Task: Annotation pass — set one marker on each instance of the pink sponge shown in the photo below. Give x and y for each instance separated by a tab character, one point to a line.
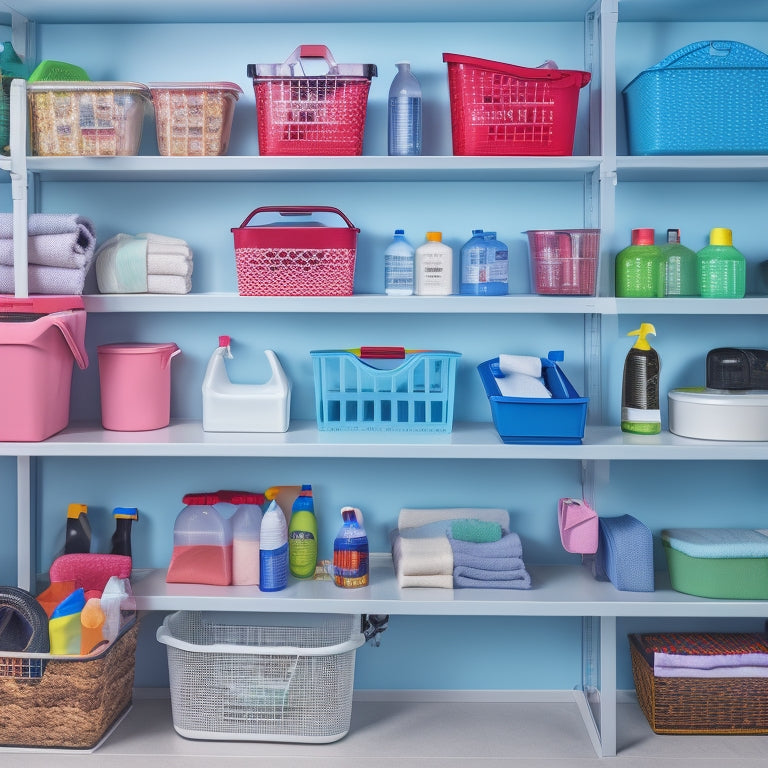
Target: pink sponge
90	571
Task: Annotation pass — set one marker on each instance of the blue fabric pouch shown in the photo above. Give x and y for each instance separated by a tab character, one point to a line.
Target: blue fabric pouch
625	554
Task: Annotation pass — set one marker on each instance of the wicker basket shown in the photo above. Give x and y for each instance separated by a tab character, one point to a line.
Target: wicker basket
694	705
74	703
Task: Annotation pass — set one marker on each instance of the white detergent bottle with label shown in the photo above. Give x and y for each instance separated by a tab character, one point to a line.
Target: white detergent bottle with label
273	550
434	267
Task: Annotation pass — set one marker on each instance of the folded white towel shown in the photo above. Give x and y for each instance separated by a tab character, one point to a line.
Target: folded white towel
422	557
409	518
520	385
164	264
168	284
527	364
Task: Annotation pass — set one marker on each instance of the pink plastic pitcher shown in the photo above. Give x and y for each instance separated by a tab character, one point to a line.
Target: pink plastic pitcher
136	385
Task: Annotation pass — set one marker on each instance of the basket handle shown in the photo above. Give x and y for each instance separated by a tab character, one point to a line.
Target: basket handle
296	210
312	52
716	54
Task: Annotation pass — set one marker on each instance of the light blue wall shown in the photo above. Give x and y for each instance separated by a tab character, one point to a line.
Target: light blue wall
416	652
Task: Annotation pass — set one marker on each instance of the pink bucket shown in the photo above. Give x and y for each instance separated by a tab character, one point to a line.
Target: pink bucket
135	385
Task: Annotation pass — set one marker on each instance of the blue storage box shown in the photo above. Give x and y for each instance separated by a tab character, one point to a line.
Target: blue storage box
625	554
557	420
384	389
704	99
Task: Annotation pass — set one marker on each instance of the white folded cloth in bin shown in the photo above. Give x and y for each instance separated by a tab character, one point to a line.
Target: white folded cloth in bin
522	377
525	364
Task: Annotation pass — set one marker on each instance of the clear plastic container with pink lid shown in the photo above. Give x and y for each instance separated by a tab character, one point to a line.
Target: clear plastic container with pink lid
194	119
202	543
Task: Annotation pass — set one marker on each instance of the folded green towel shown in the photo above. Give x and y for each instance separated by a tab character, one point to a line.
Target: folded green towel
480	531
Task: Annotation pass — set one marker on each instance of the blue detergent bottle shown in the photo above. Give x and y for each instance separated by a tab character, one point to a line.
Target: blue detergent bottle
350	551
484	265
273	550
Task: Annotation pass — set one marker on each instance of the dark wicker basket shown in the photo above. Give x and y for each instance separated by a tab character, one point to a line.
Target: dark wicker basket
693	705
74	703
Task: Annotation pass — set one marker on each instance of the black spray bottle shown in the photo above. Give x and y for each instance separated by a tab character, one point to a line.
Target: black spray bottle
121	538
78	537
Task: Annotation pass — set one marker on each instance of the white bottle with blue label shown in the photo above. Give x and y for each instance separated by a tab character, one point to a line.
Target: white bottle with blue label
273	550
398	266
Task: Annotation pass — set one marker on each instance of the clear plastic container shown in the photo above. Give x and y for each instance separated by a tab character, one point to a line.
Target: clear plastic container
202	544
564	261
194	119
641	267
681	272
399	261
86	118
405	132
722	269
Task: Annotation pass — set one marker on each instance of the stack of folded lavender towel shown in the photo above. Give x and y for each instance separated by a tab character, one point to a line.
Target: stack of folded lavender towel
60	251
458	547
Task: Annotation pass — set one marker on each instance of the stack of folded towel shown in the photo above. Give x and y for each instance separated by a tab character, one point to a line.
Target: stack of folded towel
522	377
458	547
60	251
144	263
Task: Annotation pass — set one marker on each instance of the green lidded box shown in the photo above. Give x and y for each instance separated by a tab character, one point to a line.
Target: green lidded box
726	563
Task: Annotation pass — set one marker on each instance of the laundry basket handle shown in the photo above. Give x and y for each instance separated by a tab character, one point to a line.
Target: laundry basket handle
312	52
296	210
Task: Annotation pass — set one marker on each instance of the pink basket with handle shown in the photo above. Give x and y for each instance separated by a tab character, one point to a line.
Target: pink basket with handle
300	258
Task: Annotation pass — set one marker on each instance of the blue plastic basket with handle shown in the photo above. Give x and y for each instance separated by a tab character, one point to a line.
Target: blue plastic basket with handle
384	389
706	98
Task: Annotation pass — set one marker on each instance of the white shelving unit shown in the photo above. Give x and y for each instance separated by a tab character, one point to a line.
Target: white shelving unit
560	591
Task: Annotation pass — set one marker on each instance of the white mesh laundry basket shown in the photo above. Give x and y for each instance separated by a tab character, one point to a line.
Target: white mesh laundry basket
261	676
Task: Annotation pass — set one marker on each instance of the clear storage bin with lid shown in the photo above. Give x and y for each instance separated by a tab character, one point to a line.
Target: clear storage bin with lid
202	544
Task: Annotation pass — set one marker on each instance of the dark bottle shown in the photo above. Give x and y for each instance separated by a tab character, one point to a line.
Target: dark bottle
121	538
78	537
640	412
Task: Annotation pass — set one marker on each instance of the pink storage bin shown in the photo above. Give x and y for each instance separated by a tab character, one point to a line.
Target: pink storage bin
135	383
39	339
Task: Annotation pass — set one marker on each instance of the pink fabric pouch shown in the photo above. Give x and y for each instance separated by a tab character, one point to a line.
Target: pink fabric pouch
578	525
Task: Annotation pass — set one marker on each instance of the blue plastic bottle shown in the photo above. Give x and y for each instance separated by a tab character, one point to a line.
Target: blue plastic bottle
484	265
399	262
273	550
350	551
404	112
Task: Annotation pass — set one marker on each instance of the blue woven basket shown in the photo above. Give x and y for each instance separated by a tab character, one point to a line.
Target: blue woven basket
707	98
411	393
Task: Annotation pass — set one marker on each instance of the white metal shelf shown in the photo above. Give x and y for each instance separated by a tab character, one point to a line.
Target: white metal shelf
468	440
562	590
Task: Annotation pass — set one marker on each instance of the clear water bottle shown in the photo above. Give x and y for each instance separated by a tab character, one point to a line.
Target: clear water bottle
398	266
404	112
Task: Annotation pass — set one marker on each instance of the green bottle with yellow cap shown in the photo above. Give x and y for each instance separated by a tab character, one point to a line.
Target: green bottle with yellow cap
721	268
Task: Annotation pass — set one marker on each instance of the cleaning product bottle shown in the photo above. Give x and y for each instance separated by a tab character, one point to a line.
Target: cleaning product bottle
398	266
640	386
484	265
78	536
722	269
640	267
64	625
121	538
118	604
273	550
92	620
404	112
681	275
350	551
246	538
434	267
472	258
302	535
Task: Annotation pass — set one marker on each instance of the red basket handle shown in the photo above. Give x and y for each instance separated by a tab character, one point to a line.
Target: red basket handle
296	210
312	52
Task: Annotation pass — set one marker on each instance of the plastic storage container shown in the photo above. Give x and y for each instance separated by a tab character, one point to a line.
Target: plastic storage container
404	130
303	258
710	414
86	118
40	338
564	261
303	114
557	420
640	268
503	109
705	98
135	383
194	118
246	535
384	389
261	676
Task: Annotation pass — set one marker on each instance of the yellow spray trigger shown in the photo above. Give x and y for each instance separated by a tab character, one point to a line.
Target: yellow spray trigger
641	333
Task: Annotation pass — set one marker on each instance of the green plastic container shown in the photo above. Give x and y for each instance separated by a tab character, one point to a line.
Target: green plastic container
641	267
740	573
722	269
682	275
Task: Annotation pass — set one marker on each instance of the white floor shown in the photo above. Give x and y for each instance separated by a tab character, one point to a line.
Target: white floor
423	735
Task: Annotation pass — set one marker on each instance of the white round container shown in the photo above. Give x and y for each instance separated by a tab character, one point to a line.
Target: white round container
716	414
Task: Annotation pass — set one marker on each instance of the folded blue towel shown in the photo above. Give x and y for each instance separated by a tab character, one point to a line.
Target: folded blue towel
479	578
625	554
717	542
508	545
490	564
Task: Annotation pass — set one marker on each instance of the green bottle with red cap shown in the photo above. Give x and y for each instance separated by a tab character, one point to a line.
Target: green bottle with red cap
641	267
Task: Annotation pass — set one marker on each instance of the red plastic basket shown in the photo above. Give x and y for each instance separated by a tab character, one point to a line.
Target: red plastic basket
502	109
311	115
302	259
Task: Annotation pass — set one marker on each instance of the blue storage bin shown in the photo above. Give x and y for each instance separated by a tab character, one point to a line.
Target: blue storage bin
401	391
706	98
557	420
625	554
